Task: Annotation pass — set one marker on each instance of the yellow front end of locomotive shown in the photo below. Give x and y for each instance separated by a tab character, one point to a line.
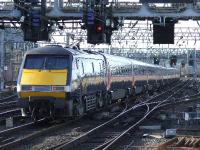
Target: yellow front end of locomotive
43	83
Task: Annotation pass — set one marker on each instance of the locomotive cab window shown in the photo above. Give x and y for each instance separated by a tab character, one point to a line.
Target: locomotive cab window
34	62
56	62
46	62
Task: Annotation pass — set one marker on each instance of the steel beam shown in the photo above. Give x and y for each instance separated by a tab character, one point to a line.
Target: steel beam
10	14
146	13
126	10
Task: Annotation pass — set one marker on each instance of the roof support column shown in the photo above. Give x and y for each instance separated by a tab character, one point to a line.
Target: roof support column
2	57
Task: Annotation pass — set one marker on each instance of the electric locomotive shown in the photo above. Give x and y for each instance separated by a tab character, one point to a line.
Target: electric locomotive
57	82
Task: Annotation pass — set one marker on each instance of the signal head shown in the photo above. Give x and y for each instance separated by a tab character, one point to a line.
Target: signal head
99	28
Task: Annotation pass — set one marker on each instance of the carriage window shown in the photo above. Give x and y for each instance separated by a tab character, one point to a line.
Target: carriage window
92	67
100	66
96	66
88	70
83	68
77	63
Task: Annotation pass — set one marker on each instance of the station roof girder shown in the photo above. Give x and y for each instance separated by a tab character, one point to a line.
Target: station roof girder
127	10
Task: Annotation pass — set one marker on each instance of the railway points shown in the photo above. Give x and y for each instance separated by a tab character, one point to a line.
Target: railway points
69	135
111	135
187	86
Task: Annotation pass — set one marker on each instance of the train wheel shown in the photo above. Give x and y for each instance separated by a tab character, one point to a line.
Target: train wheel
104	98
133	91
78	108
99	100
109	99
34	114
52	112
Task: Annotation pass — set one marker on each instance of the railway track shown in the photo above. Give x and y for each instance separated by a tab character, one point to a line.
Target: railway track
130	141
31	133
117	141
24	133
17	135
8	98
8	107
17	141
110	133
8	102
10	113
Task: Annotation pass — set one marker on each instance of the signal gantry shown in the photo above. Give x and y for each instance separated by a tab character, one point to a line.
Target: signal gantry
99	17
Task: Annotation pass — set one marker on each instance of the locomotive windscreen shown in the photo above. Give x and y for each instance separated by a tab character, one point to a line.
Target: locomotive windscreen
46	62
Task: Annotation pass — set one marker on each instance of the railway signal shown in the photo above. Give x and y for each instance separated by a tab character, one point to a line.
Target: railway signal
35	24
99	28
173	61
97	22
90	17
96	32
34	27
163	30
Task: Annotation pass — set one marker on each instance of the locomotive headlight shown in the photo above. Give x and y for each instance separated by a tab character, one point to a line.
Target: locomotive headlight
18	88
58	88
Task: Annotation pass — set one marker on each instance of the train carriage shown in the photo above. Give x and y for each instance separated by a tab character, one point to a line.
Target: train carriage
58	82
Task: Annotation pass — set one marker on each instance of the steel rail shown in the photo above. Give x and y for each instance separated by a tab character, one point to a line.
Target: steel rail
5	105
10	113
33	135
9	97
109	144
82	138
38	133
15	129
189	99
115	141
165	92
30	136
